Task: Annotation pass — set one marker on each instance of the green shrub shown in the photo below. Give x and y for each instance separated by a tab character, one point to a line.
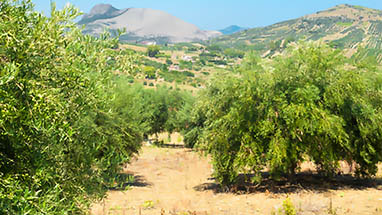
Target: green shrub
234	53
149	72
189	74
168	62
153	51
288	207
185	65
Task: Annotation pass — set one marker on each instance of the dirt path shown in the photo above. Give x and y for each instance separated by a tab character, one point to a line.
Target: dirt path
168	180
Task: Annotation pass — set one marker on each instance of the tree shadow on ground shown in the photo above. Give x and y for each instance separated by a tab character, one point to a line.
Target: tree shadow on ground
125	180
161	144
304	181
170	146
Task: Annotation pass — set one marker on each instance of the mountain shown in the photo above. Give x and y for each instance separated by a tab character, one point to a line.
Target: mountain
344	26
231	29
143	25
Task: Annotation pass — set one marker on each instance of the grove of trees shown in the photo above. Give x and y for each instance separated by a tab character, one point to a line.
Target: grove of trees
61	138
310	104
68	122
70	117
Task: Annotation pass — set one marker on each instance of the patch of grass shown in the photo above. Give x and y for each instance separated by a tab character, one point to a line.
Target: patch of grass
116	208
287	208
344	24
179	139
147	205
358	7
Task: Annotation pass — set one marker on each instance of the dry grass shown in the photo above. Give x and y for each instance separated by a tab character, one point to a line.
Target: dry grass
135	48
171	181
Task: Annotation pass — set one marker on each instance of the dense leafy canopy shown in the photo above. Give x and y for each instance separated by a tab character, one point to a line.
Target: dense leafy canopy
153	50
309	104
62	140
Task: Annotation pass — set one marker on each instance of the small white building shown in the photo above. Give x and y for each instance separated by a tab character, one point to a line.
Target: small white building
149	43
187	58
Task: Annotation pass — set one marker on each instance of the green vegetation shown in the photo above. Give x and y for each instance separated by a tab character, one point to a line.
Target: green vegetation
185	65
149	72
287	208
177	76
344	24
234	53
311	100
345	31
359	7
74	109
352	38
155	109
63	140
68	123
153	51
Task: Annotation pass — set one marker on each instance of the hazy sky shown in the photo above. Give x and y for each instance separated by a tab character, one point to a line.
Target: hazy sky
218	14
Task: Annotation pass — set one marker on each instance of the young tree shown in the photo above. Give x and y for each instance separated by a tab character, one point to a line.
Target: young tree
153	50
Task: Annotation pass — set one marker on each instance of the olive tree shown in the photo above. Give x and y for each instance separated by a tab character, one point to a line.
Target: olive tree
309	104
62	141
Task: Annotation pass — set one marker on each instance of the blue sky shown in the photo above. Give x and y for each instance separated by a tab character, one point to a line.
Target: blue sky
218	14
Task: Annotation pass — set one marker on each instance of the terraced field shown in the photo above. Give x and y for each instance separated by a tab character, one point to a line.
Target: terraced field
344	26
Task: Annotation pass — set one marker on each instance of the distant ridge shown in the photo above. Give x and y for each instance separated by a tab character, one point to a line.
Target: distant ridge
232	29
143	24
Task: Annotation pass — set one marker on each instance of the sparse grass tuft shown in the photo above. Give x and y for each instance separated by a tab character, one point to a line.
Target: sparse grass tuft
147	205
331	210
288	207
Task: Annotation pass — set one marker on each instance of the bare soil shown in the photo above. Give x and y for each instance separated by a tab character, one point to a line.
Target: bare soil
175	180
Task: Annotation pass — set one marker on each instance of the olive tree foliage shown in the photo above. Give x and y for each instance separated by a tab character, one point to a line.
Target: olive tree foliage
62	141
190	120
161	107
309	104
153	50
155	110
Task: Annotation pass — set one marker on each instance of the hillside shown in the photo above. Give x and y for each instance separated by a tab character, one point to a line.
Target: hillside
344	26
143	25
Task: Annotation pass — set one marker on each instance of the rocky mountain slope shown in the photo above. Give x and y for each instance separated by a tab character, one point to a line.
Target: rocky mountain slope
143	25
344	26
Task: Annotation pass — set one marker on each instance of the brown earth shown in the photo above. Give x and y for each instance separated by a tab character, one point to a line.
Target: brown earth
175	180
